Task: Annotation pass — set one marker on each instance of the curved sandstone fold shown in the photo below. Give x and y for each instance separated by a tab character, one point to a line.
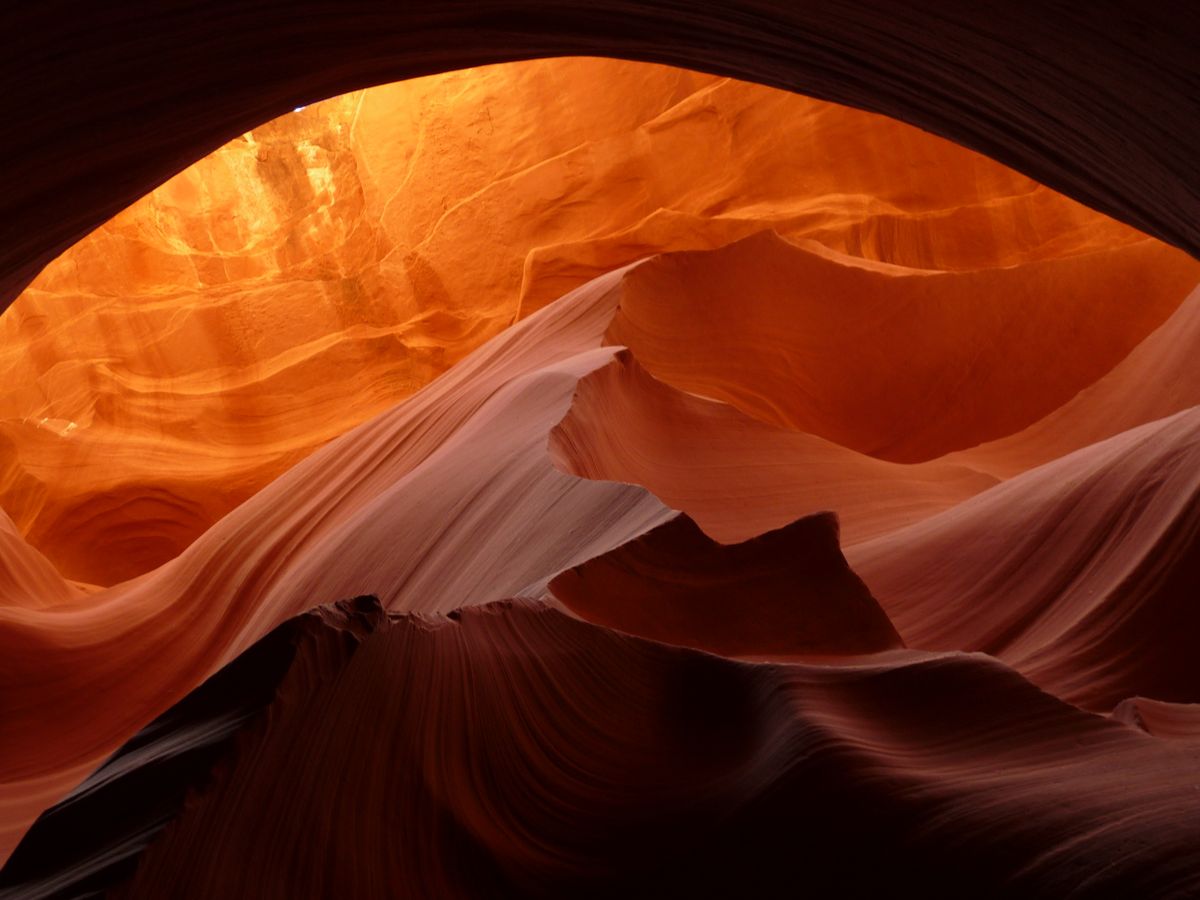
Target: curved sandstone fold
1159	378
157	773
785	593
1082	573
898	363
579	374
1176	721
510	750
203	341
27	579
735	476
1097	100
450	498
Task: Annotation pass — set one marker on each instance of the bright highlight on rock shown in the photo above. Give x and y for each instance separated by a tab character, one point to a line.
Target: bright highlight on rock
579	477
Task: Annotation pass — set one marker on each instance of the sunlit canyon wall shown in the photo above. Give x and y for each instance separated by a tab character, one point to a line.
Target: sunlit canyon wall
724	463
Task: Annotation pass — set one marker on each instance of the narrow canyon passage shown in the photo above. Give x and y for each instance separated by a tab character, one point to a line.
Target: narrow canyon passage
735	487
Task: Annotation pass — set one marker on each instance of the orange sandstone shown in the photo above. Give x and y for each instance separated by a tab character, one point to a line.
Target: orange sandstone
325	265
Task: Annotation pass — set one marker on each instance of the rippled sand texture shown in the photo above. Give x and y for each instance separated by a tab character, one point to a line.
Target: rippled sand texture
734	488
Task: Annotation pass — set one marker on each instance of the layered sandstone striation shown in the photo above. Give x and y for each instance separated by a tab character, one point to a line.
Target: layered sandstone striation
710	464
206	339
509	750
1095	100
784	593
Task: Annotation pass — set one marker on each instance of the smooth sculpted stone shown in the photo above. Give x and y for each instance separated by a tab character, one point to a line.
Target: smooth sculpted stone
510	750
202	342
788	592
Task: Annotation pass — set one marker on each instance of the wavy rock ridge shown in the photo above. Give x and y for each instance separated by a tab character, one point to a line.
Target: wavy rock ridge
525	720
203	342
698	513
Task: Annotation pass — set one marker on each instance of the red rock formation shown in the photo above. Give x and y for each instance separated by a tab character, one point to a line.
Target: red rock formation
1097	101
452	497
785	593
1175	721
1156	380
449	498
899	363
203	341
512	751
27	579
289	377
736	476
1081	573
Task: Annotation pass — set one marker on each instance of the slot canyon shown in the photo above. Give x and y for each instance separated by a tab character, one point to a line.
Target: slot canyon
608	450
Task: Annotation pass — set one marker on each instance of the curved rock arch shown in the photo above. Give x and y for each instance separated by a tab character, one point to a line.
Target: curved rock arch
1099	101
